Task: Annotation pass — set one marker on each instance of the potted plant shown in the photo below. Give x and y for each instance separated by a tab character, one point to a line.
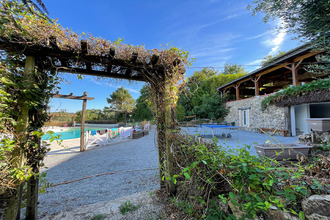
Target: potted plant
283	151
138	134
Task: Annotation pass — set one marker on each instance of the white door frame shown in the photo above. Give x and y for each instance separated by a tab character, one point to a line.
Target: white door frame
293	120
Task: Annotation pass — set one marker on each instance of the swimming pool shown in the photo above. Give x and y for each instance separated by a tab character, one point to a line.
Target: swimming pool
72	133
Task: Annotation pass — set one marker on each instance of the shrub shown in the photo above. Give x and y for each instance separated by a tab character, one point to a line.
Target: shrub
206	172
128	207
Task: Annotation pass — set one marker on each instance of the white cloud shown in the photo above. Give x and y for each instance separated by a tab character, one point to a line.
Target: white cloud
276	39
255	62
257	36
133	90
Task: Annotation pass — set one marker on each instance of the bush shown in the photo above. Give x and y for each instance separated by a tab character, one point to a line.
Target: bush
205	172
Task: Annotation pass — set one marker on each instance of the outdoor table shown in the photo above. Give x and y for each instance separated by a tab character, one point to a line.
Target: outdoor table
213	127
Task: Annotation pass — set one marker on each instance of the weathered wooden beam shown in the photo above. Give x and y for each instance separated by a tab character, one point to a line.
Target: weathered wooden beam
128	72
84	47
306	56
237	91
133	61
112	52
64	63
256	88
100	73
294	75
52	43
82	128
134	57
154	60
18	155
176	62
167	111
70	96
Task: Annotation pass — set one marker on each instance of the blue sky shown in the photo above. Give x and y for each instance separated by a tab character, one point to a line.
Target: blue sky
215	32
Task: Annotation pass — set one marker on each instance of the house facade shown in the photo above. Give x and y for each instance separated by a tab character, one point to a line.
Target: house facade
246	94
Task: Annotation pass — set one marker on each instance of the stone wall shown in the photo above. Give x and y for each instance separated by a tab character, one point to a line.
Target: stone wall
273	117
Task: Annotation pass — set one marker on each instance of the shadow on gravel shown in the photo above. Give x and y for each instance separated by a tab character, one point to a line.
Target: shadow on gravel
101	174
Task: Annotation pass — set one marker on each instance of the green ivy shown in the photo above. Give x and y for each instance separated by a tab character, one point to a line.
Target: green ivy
299	90
207	171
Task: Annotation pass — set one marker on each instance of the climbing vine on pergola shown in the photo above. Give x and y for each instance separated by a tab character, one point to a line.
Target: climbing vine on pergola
48	47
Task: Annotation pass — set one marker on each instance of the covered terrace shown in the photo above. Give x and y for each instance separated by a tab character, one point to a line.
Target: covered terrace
286	70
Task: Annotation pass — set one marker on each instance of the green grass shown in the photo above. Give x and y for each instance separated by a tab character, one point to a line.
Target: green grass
99	217
128	207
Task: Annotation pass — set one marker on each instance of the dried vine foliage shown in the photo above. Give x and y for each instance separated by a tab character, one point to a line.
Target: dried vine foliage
19	25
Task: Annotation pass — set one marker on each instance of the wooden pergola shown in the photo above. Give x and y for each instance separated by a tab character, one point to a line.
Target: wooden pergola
49	57
286	70
84	98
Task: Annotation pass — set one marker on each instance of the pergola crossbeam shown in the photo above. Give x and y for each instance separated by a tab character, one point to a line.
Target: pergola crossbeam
82	62
84	98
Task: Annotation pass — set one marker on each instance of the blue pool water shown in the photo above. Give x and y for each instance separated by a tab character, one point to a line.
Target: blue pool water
72	133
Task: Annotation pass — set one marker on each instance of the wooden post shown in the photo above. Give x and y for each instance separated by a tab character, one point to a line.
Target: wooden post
168	134
13	210
256	85
32	193
237	91
82	128
294	74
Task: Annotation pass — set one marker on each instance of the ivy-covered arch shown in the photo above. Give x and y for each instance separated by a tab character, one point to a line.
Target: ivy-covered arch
40	48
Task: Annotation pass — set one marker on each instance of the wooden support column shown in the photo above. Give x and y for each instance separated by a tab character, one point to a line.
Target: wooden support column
256	85
168	133
294	71
82	128
237	91
13	210
294	74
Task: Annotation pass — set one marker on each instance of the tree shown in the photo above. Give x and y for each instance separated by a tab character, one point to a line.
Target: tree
309	19
180	112
121	101
200	96
91	115
269	58
233	69
143	111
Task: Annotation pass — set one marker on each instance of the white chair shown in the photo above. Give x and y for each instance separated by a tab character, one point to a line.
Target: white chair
100	138
126	132
147	126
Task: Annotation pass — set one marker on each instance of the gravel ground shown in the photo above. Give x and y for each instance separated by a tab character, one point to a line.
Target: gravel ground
139	154
123	159
240	138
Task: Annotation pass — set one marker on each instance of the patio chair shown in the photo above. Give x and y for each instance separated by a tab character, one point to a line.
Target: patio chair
125	132
147	127
99	138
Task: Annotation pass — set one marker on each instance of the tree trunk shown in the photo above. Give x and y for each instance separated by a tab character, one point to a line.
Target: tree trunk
125	118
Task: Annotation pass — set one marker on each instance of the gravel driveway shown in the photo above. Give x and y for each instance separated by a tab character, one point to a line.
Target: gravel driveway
128	167
138	154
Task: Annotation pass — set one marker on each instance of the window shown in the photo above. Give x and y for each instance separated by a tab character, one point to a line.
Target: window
245	118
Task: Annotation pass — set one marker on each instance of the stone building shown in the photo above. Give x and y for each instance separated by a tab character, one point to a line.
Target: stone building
247	92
